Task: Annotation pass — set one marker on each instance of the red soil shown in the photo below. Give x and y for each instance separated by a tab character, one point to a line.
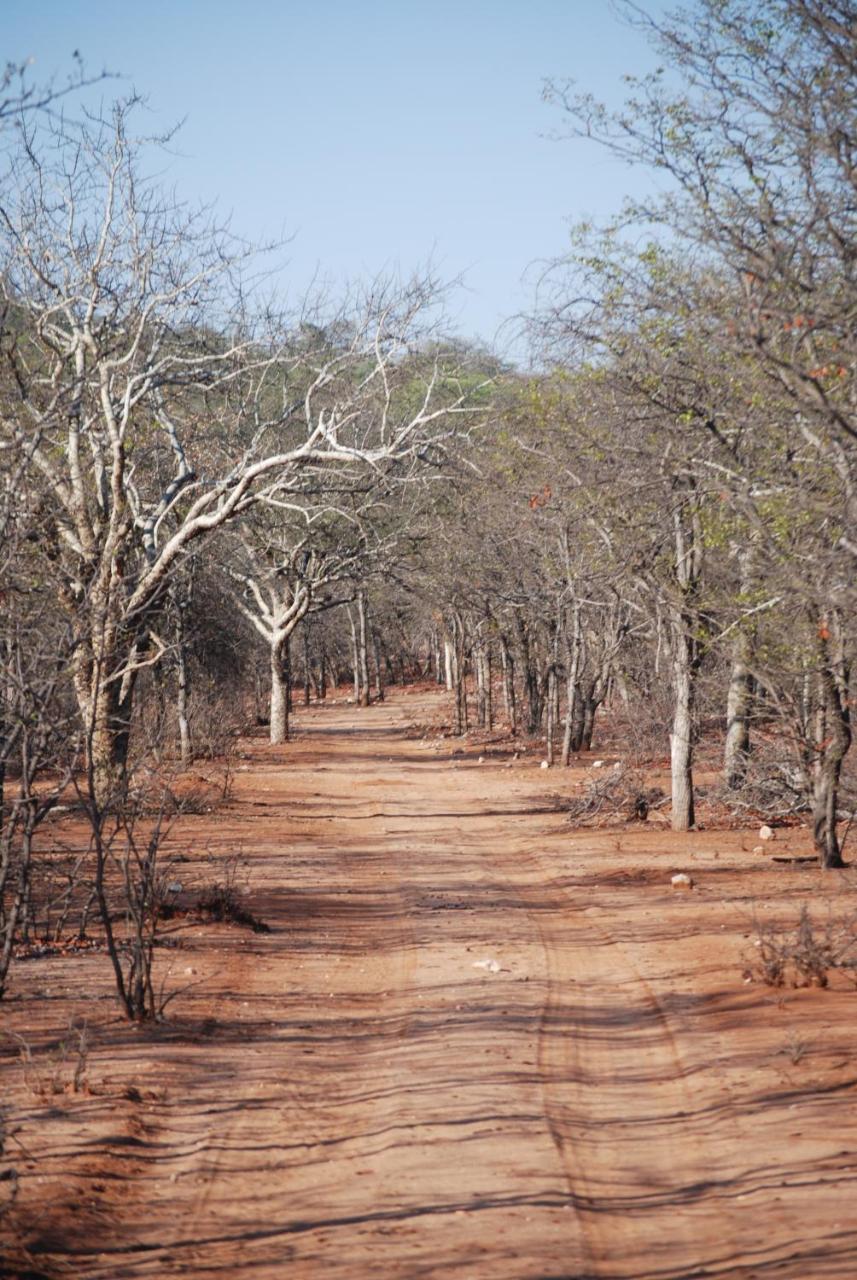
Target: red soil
356	1094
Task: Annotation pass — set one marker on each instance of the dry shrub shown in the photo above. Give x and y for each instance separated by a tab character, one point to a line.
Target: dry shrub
62	1070
220	902
217	901
804	954
617	794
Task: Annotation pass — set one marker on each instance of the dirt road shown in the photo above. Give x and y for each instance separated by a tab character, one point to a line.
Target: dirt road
475	1043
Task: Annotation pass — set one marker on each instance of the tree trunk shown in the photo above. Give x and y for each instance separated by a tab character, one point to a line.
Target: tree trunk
279	690
833	747
551	704
307	666
183	689
362	649
355	657
571	682
508	664
489	697
590	706
108	740
448	659
379	671
481	696
739	700
681	737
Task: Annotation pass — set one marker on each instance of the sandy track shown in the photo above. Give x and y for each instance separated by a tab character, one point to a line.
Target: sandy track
352	1096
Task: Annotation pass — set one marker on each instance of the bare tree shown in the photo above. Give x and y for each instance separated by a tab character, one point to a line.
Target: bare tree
156	402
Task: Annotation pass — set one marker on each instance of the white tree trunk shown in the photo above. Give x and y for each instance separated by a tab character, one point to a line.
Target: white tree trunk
681	738
279	694
448	657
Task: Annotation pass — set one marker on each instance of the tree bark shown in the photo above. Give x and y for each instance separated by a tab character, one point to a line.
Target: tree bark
279	690
183	688
379	672
739	700
681	737
551	705
448	657
362	649
508	665
355	657
307	666
571	682
833	747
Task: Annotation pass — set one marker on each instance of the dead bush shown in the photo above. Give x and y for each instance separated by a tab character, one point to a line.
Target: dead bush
804	954
62	1069
617	794
220	902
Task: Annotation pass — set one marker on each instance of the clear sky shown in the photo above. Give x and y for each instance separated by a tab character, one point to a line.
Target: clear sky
376	134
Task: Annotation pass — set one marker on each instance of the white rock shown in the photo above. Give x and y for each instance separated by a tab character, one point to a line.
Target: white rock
544	765
481	760
759	848
681	881
597	764
766	833
490	966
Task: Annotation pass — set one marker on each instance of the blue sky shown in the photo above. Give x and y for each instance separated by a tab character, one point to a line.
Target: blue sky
374	134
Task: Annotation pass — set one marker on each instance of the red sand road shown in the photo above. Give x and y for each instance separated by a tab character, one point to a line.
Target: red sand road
476	1043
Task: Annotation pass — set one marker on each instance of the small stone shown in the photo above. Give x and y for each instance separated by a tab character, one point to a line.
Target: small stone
681	881
759	848
544	765
490	966
481	760
174	886
767	833
597	764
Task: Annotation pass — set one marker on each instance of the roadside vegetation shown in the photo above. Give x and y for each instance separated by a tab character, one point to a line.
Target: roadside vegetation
211	507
